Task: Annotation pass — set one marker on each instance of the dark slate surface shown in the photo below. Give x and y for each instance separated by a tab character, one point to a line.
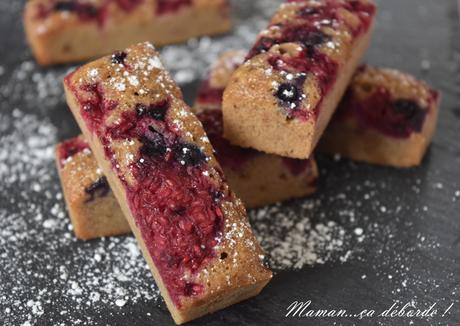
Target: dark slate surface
425	236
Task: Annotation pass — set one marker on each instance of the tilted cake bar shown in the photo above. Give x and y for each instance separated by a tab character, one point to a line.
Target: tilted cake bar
192	229
281	99
386	117
61	31
93	208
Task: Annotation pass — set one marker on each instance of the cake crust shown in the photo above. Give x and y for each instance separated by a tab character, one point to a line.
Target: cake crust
233	270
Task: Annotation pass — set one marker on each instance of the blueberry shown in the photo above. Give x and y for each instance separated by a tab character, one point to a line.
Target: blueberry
153	143
288	94
312	39
100	188
65	6
412	113
315	38
180	211
189	155
87	11
407	108
157	111
217	195
119	57
82	9
263	45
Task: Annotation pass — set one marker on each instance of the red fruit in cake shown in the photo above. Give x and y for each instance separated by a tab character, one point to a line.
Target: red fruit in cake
166	180
71	147
85	11
168	6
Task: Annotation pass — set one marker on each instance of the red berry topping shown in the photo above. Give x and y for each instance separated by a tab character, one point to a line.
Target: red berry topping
170	6
397	118
209	95
70	148
227	154
308	29
86	11
172	197
295	166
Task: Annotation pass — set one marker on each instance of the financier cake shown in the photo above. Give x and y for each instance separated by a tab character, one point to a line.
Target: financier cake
192	229
386	117
282	98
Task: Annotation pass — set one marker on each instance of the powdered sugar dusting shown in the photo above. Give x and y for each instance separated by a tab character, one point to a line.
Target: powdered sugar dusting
292	240
90	276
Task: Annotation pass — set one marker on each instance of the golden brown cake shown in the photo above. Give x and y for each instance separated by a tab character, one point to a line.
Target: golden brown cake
193	231
281	99
386	117
92	207
61	31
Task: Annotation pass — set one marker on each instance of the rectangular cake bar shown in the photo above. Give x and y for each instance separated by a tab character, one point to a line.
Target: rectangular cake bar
386	117
281	99
193	231
93	209
61	31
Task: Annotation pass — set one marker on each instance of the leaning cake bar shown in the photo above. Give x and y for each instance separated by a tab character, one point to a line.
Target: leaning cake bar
92	207
61	31
386	117
257	178
281	99
193	231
